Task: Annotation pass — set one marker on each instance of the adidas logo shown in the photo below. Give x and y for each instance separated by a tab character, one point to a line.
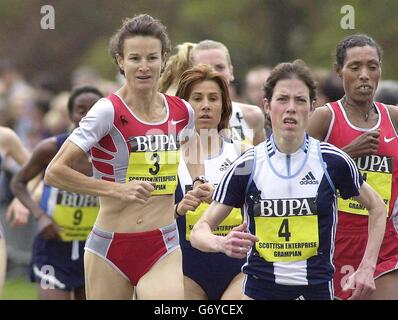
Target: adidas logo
309	179
224	166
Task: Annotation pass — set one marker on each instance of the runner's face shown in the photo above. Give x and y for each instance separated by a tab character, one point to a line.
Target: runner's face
206	100
82	105
360	73
289	108
217	59
142	62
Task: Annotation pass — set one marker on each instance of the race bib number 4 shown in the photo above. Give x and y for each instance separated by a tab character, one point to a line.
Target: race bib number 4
287	239
233	220
287	229
159	167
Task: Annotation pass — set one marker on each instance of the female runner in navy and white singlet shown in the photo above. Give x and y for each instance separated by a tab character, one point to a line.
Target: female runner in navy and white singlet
287	188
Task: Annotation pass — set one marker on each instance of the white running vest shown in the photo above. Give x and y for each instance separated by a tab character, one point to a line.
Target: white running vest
285	216
214	170
239	127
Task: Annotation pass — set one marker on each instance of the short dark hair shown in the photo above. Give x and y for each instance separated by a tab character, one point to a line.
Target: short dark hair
288	70
356	40
139	25
204	72
81	90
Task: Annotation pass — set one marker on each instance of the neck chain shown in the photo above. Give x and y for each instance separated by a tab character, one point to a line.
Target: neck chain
365	114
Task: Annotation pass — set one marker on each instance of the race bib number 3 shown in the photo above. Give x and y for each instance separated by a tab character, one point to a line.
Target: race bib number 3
158	167
75	223
233	220
286	239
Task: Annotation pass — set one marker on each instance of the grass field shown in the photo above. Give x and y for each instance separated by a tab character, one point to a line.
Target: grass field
19	289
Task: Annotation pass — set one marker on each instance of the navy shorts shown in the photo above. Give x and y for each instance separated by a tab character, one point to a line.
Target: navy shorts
54	265
213	272
259	289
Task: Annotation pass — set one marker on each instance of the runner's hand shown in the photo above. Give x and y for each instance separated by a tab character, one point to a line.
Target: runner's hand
17	214
204	192
238	242
137	191
189	203
363	145
362	284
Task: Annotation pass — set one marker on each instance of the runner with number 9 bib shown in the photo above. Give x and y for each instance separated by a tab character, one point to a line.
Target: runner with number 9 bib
64	219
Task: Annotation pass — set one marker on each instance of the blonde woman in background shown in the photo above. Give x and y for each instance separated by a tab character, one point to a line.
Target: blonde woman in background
247	121
175	67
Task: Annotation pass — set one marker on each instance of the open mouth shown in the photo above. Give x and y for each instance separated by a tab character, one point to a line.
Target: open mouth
204	116
364	87
290	121
143	77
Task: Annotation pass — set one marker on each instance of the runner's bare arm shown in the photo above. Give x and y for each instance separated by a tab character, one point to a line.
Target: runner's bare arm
232	244
362	280
319	123
11	145
60	174
41	156
256	120
393	111
364	144
202	237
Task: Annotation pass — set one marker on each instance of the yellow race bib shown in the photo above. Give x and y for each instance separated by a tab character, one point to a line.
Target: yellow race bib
287	239
377	171
233	220
287	229
160	167
75	223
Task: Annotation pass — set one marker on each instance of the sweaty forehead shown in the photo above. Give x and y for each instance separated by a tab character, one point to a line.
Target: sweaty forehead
142	44
293	86
365	53
207	86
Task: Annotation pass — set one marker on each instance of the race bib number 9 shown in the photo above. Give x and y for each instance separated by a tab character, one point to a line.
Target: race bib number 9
75	223
233	220
159	167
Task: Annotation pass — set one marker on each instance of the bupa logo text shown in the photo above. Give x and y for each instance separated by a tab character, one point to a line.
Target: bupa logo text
285	207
